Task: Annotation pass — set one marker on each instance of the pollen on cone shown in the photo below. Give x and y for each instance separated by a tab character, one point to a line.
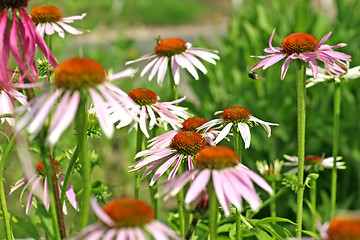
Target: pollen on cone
188	142
79	73
128	212
218	157
45	13
236	114
143	96
170	46
191	124
299	43
39	167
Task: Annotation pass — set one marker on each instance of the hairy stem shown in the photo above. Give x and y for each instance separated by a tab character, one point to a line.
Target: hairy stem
301	116
213	205
81	130
4	209
336	124
139	148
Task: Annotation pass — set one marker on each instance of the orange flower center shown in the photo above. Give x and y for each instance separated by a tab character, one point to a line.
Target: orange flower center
216	158
39	167
79	73
45	13
346	227
129	212
236	114
311	159
13	4
299	43
191	124
170	46
143	96
188	142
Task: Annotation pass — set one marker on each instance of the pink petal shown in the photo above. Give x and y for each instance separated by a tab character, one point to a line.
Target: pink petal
285	67
102	113
70	29
223	133
185	63
198	185
216	180
175	70
245	134
100	213
323	40
162	71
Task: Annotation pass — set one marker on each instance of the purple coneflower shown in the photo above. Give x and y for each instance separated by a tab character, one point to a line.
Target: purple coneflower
345	226
40	178
313	161
306	47
126	218
325	75
176	53
75	78
20	39
190	124
220	167
160	113
184	146
237	117
49	19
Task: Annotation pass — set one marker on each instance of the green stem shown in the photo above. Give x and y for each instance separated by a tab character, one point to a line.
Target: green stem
313	204
53	212
180	198
81	131
153	189
173	86
238	148
6	214
336	124
273	203
301	115
68	175
213	205
139	148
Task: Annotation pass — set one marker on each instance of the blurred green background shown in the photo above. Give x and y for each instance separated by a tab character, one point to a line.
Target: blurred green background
119	31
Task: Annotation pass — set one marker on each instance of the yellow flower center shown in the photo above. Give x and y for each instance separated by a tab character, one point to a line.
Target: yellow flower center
345	227
39	167
13	4
129	212
191	124
311	159
216	158
45	13
188	142
170	46
299	43
143	96
79	73
236	114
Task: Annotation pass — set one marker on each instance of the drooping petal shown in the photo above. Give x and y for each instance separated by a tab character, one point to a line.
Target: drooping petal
100	213
245	133
198	185
216	180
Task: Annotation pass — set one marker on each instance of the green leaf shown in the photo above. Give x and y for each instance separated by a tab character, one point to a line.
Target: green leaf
311	234
262	235
272	220
224	228
28	227
277	231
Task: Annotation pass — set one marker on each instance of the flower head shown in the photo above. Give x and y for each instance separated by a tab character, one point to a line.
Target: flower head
344	227
190	124
20	39
240	118
325	75
231	180
160	113
306	47
270	171
49	19
313	162
40	179
184	145
73	78
126	218
176	53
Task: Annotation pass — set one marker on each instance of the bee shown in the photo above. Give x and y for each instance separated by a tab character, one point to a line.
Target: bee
158	40
255	76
